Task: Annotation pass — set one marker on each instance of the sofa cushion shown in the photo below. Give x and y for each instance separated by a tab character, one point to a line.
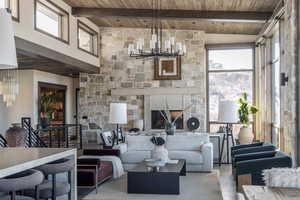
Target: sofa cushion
135	156
191	157
186	143
139	143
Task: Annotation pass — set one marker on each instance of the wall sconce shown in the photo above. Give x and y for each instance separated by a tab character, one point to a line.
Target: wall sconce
283	79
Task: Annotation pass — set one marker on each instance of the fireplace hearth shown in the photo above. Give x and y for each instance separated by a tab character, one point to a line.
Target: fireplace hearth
158	121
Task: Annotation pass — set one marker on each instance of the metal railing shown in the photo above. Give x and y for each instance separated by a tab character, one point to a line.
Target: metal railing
59	136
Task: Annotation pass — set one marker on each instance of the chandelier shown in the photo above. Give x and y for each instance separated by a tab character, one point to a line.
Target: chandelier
158	48
9	76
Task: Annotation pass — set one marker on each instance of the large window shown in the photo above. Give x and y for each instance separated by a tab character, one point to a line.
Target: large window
230	73
51	20
13	5
87	39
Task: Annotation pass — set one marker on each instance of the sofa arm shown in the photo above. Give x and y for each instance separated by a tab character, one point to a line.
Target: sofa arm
101	152
88	161
121	147
254	156
253	150
207	153
258	165
241	146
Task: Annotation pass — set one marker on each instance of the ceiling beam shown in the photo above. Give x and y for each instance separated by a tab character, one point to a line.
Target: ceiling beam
173	14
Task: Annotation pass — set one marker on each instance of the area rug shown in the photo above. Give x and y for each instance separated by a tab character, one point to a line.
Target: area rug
193	186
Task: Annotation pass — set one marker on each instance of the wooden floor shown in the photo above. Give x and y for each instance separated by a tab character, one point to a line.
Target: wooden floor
227	183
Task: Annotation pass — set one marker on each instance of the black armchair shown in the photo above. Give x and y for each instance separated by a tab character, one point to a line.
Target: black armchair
251	148
249	167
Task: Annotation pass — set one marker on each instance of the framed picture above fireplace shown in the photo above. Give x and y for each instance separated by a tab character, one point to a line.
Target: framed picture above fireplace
167	68
158	121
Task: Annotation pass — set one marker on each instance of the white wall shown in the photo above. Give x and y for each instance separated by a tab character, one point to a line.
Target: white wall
25	30
27	101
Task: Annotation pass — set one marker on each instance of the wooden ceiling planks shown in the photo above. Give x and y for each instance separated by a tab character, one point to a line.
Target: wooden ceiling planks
225	27
224	5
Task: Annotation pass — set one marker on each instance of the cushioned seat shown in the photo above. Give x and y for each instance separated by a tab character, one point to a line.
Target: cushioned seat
45	189
135	156
192	157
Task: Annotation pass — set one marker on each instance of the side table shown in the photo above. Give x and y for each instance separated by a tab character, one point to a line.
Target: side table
218	137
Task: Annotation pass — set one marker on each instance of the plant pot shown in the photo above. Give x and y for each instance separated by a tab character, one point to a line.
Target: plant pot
245	135
160	153
16	136
170	128
45	122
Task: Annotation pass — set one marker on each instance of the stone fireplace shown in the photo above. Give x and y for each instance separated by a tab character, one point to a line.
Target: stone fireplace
158	121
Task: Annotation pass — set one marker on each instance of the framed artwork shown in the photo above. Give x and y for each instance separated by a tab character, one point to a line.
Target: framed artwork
167	68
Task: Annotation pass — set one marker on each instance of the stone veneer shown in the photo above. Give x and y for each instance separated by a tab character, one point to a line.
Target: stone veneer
118	70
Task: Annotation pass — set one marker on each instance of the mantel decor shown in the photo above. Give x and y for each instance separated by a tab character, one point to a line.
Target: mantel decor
156	49
167	68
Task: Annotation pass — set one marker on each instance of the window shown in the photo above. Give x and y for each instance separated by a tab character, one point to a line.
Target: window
13	5
230	73
275	61
87	39
51	20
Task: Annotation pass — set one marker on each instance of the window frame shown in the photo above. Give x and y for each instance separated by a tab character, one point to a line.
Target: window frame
8	5
208	71
61	24
89	30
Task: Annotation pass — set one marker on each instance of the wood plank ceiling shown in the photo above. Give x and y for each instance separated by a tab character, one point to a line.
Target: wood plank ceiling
210	26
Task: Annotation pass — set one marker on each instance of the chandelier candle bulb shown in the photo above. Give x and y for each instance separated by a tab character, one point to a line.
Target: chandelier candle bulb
184	49
154	38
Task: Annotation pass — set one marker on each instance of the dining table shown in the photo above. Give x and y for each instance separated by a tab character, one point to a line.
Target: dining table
16	160
254	192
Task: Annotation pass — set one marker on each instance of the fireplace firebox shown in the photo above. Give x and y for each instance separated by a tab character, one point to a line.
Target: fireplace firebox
158	121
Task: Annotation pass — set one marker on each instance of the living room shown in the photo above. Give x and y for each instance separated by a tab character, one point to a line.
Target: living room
153	99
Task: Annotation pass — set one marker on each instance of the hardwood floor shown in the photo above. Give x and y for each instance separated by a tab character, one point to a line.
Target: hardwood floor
227	183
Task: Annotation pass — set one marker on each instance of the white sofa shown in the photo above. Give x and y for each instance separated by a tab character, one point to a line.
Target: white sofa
195	149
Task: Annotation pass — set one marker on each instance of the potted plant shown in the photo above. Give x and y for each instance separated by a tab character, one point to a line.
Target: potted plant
245	110
46	100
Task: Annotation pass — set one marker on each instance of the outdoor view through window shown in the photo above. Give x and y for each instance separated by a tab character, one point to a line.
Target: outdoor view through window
230	73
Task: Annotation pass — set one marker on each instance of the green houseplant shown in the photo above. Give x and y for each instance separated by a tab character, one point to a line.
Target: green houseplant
244	111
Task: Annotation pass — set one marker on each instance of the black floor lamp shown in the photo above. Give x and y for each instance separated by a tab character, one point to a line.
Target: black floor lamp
227	115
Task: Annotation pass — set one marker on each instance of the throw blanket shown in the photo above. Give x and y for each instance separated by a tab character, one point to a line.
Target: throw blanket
118	170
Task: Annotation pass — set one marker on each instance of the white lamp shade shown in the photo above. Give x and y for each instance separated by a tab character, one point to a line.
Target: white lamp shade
8	56
118	113
228	112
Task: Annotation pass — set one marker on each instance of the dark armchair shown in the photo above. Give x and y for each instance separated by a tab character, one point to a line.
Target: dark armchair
251	148
249	167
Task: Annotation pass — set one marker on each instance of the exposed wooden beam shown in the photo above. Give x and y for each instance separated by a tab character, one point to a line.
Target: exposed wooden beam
172	14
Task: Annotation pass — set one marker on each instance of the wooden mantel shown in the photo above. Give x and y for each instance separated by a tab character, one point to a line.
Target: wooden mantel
156	91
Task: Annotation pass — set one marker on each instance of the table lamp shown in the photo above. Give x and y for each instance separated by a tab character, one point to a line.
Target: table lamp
118	116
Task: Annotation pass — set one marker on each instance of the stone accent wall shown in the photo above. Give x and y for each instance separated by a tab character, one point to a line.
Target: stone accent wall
118	70
289	93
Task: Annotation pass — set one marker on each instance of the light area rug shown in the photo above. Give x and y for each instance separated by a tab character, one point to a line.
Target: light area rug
193	186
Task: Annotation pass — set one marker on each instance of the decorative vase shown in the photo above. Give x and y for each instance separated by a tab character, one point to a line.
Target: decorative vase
160	153
16	136
170	128
245	135
45	122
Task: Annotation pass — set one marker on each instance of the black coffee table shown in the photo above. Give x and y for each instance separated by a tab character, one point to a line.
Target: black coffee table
141	180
